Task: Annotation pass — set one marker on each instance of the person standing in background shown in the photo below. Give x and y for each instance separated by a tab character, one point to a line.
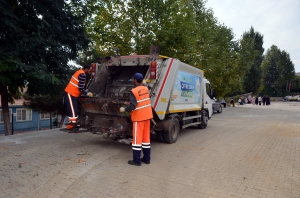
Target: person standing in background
264	100
268	100
223	102
250	99
232	102
253	100
259	100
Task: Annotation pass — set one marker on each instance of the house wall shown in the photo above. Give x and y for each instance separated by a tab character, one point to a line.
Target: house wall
35	124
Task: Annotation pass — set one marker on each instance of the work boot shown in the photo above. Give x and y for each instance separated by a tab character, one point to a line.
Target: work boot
71	124
136	158
146	162
69	127
131	162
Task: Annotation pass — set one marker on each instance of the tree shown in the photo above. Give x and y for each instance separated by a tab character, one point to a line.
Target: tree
216	51
278	71
294	86
286	71
271	79
37	39
184	29
110	28
251	58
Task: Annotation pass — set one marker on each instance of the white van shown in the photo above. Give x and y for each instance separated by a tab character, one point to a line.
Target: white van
294	98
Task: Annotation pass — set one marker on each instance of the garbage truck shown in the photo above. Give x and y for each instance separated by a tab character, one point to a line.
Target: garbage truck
180	96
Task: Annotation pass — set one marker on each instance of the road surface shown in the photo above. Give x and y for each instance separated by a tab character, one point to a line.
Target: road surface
246	151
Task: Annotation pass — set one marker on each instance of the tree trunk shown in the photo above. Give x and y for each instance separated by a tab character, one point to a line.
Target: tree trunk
5	109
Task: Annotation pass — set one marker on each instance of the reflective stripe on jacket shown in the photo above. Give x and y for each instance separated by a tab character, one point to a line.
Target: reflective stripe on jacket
143	110
73	86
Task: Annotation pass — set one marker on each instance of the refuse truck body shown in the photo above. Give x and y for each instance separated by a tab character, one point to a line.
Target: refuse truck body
180	95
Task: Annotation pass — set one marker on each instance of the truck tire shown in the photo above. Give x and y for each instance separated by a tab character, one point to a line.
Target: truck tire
204	120
159	136
220	110
171	134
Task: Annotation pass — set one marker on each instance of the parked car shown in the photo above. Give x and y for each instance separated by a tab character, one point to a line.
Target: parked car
287	98
293	98
217	106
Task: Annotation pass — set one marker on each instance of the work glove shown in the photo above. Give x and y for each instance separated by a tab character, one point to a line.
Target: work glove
89	94
122	109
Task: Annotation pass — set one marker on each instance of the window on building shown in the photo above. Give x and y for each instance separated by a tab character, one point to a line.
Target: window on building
24	114
1	116
46	115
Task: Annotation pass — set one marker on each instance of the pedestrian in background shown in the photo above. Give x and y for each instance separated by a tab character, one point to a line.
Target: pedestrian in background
259	100
264	100
223	102
240	101
74	89
250	99
141	114
253	100
268	100
232	102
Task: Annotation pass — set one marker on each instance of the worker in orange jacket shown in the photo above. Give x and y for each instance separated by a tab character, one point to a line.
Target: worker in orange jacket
141	114
74	89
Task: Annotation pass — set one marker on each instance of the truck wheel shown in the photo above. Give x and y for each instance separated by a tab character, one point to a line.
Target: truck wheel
159	136
220	110
170	136
204	120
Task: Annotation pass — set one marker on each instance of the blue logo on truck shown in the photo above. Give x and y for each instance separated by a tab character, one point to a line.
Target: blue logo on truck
187	89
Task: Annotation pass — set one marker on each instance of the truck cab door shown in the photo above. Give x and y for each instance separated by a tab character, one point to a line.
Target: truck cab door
207	98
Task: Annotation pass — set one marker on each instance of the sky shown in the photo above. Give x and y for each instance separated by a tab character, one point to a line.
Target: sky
277	20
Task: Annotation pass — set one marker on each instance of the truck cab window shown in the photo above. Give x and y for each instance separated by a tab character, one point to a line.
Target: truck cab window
208	90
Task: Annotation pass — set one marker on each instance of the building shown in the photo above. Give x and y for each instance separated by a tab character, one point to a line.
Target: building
23	119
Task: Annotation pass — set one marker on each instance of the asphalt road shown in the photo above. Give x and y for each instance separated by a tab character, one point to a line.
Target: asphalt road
246	151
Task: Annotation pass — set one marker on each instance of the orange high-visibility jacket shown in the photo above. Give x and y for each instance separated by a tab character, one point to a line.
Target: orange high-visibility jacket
143	110
73	86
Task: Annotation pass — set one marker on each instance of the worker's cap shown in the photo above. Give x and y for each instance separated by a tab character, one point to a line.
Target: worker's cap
138	76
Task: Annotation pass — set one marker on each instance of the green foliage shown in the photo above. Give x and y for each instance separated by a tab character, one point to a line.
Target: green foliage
38	38
184	29
278	71
251	58
294	85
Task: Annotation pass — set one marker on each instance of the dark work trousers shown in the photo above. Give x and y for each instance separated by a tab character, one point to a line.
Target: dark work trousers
71	105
